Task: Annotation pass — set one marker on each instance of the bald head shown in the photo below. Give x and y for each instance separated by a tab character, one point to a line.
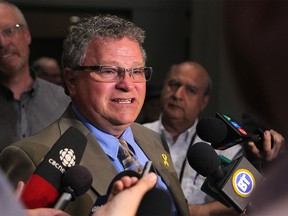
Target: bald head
184	96
193	68
48	69
18	12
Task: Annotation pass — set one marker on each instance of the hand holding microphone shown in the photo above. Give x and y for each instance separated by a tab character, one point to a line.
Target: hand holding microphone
126	191
75	181
154	201
224	132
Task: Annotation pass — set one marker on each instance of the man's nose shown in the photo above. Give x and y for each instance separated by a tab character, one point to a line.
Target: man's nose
179	92
3	41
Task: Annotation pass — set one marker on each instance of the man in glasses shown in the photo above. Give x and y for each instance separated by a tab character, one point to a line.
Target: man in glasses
28	104
185	94
105	75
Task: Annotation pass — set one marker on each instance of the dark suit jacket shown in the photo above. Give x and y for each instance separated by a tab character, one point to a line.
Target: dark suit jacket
20	160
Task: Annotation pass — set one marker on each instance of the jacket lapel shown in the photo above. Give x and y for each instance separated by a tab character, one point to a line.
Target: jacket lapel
94	158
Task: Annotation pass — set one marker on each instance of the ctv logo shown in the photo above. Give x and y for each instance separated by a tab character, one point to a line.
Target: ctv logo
243	182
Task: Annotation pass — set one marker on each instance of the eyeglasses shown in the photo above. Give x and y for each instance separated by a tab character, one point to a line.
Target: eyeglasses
112	73
11	30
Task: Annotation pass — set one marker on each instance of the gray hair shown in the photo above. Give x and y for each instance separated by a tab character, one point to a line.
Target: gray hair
102	27
17	10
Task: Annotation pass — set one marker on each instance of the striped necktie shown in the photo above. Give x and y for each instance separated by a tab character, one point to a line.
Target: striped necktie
127	157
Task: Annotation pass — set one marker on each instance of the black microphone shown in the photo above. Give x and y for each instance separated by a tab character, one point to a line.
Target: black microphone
155	202
42	188
212	130
75	181
232	184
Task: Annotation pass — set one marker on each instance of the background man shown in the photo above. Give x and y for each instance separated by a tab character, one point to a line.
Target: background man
48	69
28	104
184	96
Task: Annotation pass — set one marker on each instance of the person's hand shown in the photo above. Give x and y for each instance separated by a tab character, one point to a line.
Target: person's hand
20	188
268	153
126	195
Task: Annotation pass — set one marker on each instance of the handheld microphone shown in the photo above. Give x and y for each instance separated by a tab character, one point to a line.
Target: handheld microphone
42	188
155	202
212	130
232	184
75	181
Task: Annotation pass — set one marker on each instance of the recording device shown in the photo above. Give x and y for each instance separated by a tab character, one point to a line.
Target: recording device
42	188
232	184
155	202
224	132
148	168
75	181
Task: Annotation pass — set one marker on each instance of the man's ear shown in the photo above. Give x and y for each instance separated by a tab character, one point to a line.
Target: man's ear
205	102
69	79
27	35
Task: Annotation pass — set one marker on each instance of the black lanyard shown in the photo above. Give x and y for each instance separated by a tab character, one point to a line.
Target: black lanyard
185	160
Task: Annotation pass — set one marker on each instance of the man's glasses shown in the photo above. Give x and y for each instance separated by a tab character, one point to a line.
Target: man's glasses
11	30
113	73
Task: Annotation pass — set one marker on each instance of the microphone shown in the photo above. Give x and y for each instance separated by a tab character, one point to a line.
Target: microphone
224	132
75	181
232	184
212	130
155	202
42	188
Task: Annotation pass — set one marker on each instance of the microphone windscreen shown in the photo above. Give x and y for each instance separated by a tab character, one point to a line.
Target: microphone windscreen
212	130
129	173
203	159
78	178
155	202
42	194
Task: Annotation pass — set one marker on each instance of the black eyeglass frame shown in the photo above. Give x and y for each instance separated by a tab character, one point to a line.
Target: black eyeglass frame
120	71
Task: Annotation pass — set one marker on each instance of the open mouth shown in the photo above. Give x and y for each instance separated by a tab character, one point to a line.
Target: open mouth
123	101
5	56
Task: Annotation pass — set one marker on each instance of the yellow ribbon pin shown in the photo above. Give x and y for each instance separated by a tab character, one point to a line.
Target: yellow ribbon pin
165	158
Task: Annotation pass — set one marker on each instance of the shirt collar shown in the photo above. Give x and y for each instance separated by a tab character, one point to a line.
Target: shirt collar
108	142
189	133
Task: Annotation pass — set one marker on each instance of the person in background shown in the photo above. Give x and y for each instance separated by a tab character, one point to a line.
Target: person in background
105	75
48	69
28	103
184	96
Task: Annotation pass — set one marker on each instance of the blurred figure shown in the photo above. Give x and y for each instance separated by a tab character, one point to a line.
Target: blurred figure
256	34
28	103
48	69
9	204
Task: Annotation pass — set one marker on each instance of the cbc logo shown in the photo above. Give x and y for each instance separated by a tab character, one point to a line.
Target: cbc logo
67	157
243	182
